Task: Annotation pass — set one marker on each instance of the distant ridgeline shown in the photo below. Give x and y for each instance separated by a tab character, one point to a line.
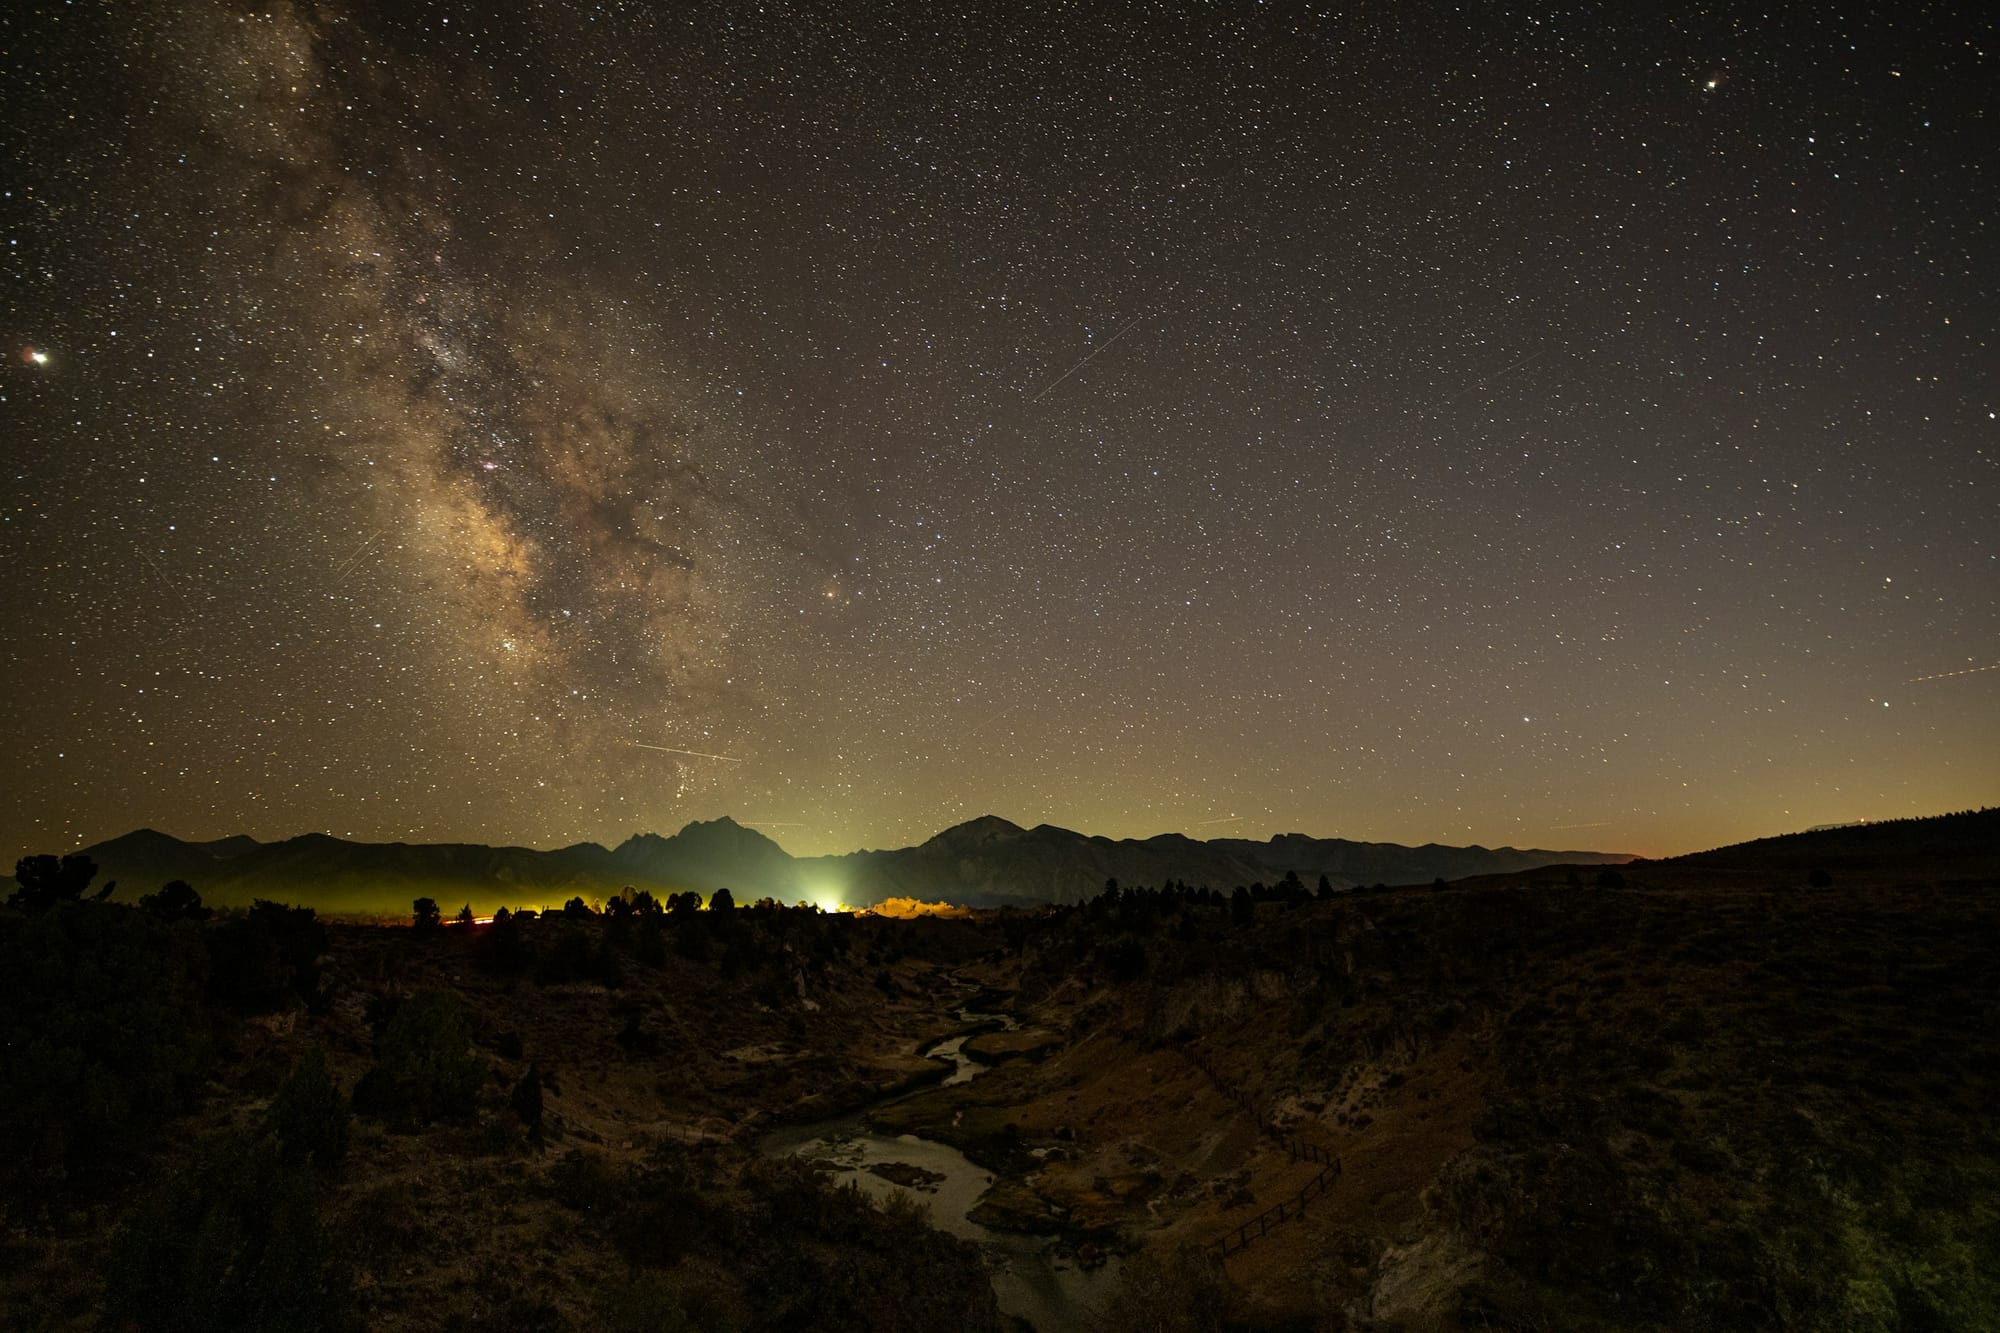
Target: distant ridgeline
987	862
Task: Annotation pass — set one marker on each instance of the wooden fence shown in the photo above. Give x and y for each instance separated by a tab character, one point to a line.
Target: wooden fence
1282	1211
1301	1151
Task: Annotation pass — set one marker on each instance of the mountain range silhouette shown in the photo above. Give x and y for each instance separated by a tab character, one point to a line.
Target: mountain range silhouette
985	862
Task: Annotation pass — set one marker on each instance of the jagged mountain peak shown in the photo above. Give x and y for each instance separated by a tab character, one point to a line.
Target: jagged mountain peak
986	828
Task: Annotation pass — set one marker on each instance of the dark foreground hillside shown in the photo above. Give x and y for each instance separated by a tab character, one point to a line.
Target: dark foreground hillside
1754	1089
551	1123
1738	1093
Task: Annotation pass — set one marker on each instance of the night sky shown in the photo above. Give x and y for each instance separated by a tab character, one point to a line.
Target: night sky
528	423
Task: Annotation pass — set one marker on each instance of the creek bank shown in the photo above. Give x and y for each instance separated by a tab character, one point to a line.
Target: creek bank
857	1092
979	1122
908	1176
992	1048
1047	1270
965	1031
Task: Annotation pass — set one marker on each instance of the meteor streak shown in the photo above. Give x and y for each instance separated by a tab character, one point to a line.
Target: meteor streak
172	587
1094	353
698	754
347	566
992	719
1969	671
1501	374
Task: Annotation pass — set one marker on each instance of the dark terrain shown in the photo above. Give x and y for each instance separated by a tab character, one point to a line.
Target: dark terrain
1751	1088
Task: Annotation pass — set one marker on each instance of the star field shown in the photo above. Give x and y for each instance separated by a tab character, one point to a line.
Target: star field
526	423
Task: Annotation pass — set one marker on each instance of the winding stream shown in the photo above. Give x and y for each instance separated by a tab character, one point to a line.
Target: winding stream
1029	1279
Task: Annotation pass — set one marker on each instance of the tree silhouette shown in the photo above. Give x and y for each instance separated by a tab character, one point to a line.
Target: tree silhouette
723	901
1242	907
500	947
617	920
45	881
649	948
176	901
424	915
267	958
465	915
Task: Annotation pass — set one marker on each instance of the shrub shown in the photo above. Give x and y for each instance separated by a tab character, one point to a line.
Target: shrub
1189	1295
526	1101
567	960
634	1037
661	1226
98	1038
309	1115
424	1069
653	1303
233	1242
832	1260
1126	960
588	1183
